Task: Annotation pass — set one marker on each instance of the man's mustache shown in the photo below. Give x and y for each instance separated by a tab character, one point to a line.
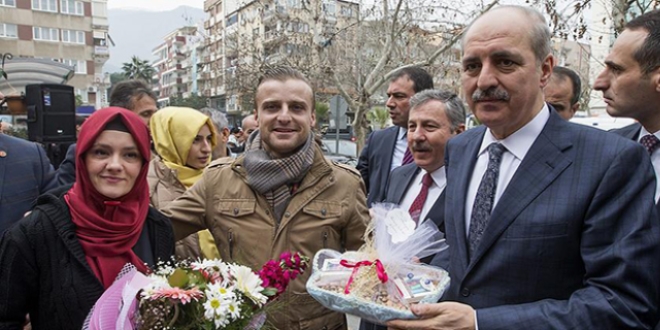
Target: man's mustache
491	94
421	147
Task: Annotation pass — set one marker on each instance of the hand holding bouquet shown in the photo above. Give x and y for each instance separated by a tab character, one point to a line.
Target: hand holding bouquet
208	294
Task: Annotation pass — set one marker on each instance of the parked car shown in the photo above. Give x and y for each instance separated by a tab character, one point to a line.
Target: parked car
329	146
604	122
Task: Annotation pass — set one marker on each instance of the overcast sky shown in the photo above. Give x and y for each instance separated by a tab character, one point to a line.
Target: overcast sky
155	5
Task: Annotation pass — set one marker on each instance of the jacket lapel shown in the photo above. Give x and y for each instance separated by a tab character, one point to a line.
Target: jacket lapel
389	144
437	212
540	167
461	173
632	131
400	187
4	149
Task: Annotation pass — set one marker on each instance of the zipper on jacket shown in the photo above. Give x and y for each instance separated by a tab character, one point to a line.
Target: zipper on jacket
325	239
231	245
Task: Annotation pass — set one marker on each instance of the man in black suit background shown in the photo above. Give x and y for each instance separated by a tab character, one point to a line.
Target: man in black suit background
630	84
385	149
435	117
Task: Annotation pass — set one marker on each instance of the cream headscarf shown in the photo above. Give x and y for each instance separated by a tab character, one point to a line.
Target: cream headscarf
173	130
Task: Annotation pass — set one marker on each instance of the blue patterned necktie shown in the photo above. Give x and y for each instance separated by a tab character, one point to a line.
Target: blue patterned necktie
483	203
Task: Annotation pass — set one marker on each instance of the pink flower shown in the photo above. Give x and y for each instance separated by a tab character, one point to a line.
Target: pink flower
184	296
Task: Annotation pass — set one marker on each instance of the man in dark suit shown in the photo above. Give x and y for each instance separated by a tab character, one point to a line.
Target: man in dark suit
385	149
631	86
550	225
636	93
25	173
133	95
435	117
563	91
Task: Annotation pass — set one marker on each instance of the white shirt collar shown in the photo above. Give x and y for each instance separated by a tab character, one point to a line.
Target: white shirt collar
643	132
402	133
521	140
439	176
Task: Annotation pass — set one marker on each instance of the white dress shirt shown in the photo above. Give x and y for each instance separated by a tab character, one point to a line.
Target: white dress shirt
517	145
399	148
435	190
655	160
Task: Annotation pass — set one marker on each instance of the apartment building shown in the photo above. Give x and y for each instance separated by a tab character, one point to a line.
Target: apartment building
176	65
73	32
253	33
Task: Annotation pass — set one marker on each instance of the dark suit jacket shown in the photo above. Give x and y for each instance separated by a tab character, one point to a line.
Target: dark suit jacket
66	173
375	161
25	173
571	244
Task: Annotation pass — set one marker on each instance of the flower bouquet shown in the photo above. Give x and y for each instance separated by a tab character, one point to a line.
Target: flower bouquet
208	294
382	279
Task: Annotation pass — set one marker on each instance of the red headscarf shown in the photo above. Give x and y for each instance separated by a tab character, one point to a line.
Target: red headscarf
109	228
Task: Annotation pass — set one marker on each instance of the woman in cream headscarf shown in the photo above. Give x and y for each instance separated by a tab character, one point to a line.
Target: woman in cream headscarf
183	139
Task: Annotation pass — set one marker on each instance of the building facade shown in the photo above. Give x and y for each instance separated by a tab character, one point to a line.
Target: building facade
73	32
175	65
251	34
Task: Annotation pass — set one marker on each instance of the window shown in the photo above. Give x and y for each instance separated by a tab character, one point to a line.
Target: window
231	20
74	37
48	34
8	3
329	9
294	3
8	30
83	95
45	5
80	66
346	11
72	7
99	9
298	27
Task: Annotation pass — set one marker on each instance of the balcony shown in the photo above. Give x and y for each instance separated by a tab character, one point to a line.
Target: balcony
179	56
179	41
278	11
273	36
101	54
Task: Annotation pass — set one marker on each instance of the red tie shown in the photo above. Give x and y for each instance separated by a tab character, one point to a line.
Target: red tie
417	205
407	157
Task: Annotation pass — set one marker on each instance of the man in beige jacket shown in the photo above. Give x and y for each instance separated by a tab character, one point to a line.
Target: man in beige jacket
280	195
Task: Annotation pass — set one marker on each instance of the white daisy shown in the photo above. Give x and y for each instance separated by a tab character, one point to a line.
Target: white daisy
213	307
249	284
234	310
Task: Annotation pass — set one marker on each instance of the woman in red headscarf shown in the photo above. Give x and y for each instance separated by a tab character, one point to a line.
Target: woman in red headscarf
56	262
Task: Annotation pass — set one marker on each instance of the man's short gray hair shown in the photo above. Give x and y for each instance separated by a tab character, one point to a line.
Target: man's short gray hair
454	107
540	37
217	117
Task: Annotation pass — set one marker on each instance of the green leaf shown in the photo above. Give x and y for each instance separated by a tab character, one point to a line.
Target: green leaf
178	279
4	74
269	292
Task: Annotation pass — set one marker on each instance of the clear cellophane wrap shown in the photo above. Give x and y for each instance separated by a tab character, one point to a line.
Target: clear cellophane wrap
380	280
